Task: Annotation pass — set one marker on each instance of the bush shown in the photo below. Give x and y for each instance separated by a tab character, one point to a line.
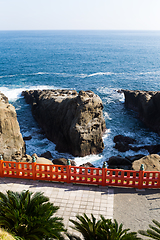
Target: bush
103	229
29	216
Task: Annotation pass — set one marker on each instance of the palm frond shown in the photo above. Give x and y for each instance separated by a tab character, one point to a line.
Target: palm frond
153	232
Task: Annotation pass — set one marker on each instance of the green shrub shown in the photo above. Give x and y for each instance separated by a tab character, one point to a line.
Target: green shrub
103	229
29	216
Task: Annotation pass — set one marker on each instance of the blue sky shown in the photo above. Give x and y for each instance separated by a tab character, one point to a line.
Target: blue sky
79	14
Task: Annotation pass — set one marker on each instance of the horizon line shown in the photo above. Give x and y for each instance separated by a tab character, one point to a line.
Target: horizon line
144	30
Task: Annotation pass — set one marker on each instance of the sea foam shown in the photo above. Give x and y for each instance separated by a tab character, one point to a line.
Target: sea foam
15	93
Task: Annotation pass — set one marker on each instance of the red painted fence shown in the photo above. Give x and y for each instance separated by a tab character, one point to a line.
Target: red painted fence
71	174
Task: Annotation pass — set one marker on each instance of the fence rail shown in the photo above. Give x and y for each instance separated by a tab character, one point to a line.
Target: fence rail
72	174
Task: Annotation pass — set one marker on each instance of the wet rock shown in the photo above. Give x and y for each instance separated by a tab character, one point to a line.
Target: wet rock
135	157
122	143
86	165
118	160
27	138
124	139
123	162
62	161
152	149
47	155
73	121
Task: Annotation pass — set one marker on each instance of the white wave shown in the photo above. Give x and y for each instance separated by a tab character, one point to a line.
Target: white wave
90	158
100	73
149	73
25	74
112	94
106	116
106	133
40	73
14	93
80	75
11	94
8	76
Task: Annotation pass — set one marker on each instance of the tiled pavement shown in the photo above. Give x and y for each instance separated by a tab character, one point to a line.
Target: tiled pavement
72	199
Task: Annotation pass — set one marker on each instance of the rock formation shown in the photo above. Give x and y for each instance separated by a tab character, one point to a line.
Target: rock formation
150	162
146	104
47	155
123	144
12	146
74	122
88	164
123	162
62	161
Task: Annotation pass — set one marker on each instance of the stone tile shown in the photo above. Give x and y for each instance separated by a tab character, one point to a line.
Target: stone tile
72	199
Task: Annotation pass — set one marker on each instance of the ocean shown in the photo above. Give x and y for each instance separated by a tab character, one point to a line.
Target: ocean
101	61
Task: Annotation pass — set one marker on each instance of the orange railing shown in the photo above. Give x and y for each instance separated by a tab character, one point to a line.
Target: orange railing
72	174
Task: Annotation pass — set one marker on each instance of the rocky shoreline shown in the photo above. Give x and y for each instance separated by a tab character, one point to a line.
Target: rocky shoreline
74	121
146	104
12	145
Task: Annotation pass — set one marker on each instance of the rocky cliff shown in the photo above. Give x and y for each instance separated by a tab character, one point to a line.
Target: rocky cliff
12	146
73	121
147	105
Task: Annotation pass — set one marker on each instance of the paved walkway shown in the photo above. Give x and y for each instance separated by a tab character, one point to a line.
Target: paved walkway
72	199
132	207
136	208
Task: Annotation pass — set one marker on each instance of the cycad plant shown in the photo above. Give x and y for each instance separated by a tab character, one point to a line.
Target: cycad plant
111	231
103	229
153	232
86	226
29	216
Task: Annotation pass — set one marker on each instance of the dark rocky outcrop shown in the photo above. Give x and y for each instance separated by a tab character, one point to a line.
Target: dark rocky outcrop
152	149
12	146
74	122
62	161
27	138
123	162
146	104
88	164
47	155
118	160
122	143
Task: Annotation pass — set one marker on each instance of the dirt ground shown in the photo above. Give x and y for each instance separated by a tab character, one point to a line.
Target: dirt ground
136	208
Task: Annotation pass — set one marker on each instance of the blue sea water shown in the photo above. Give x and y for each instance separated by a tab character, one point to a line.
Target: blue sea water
101	61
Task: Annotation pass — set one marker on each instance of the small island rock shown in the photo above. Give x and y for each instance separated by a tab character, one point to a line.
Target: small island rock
73	121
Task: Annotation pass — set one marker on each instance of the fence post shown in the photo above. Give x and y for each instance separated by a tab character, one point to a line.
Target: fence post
34	167
141	174
104	169
68	171
1	166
